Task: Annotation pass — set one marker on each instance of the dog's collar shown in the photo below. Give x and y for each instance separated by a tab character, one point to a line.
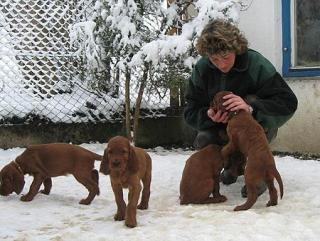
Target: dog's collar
18	166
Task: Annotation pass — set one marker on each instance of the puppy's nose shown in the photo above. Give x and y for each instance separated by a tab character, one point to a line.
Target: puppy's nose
116	163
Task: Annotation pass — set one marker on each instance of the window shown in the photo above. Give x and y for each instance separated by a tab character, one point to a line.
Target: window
301	37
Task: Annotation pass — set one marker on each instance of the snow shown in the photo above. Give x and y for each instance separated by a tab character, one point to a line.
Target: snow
60	217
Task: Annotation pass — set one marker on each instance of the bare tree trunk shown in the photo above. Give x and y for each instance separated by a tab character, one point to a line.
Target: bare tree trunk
139	100
175	91
182	94
115	83
127	103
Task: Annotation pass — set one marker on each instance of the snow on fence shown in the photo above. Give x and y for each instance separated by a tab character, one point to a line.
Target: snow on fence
41	76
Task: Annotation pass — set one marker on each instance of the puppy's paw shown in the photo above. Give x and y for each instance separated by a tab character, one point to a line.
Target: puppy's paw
131	223
272	203
142	206
220	199
85	202
46	192
240	208
118	217
26	198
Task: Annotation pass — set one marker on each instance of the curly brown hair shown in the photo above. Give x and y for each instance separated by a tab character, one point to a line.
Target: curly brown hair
220	36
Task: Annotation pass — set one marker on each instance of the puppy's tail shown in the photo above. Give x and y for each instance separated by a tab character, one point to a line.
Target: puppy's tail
95	156
95	177
279	180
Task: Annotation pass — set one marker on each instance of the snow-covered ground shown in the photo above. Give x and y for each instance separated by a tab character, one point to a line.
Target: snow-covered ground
60	217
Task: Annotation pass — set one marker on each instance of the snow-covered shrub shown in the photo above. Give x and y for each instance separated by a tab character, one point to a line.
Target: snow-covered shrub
126	34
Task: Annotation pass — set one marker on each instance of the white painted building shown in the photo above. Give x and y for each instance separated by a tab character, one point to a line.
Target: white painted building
278	29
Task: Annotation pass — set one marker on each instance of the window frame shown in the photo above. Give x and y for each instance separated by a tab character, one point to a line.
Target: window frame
287	24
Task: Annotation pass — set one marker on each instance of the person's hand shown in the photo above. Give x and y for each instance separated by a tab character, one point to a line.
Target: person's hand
217	116
234	102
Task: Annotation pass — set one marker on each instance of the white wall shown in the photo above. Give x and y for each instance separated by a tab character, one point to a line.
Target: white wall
302	132
261	24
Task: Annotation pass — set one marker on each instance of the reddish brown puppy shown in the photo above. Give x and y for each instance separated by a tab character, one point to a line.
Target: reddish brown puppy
50	160
127	166
246	135
200	177
236	164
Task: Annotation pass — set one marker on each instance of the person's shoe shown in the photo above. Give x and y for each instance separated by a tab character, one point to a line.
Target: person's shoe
261	188
226	177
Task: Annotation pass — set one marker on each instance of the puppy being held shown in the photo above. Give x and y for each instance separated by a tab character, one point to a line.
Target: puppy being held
127	166
247	136
200	177
50	160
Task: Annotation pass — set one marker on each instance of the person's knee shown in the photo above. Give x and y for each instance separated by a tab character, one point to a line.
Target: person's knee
202	140
271	134
210	136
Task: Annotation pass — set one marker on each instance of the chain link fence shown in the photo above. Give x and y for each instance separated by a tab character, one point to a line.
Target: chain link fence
41	77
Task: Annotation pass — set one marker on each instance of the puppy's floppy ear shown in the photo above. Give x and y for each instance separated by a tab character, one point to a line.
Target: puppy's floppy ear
104	167
213	105
18	182
133	162
220	104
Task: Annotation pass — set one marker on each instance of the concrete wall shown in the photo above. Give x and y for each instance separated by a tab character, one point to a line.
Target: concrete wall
164	131
302	132
76	133
262	25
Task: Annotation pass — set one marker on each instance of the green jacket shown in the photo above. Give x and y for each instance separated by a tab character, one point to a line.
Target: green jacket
253	78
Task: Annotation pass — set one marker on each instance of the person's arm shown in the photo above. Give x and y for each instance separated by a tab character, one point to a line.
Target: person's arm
197	104
274	103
